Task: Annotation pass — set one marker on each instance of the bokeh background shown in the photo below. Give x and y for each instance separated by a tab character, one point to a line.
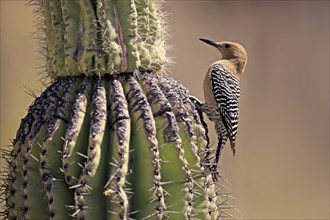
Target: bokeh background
281	170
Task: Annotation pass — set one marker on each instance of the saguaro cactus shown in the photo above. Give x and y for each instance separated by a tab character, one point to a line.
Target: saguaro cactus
110	138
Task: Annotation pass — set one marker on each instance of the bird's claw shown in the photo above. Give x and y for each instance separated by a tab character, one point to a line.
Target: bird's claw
215	172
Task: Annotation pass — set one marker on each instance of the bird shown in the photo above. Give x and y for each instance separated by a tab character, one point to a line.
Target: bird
222	92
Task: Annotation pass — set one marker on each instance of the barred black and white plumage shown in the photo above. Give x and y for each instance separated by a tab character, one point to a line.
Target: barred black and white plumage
226	91
221	93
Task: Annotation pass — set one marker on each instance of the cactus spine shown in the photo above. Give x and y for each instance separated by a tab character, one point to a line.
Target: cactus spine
109	138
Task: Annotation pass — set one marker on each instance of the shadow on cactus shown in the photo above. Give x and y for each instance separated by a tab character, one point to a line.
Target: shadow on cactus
110	137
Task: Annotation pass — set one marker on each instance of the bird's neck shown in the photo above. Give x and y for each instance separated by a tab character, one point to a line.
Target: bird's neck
240	64
233	65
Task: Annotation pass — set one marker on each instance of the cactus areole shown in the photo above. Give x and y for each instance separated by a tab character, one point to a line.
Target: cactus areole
109	138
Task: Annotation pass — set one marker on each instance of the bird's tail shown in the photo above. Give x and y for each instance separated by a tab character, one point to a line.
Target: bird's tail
232	146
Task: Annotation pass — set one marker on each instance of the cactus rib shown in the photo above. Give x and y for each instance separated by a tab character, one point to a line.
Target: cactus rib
110	42
89	201
50	39
144	131
70	12
89	40
171	88
50	166
155	96
27	150
120	131
77	133
58	27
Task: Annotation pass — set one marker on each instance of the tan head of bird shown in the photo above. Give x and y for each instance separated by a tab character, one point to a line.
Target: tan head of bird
230	51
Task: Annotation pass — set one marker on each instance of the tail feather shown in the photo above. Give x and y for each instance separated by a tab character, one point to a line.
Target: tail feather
232	146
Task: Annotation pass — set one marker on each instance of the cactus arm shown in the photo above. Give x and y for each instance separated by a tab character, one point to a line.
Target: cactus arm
120	131
89	199
77	134
71	12
146	176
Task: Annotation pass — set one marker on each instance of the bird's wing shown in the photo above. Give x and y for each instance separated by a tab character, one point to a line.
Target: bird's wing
226	91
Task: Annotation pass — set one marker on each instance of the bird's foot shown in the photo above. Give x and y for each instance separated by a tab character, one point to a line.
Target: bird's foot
214	172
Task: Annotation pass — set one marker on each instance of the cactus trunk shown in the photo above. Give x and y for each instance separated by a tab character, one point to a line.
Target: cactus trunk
110	137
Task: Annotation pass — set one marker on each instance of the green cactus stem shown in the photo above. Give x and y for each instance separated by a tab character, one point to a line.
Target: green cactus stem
102	37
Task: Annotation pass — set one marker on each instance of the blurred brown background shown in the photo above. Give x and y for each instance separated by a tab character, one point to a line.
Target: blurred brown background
281	170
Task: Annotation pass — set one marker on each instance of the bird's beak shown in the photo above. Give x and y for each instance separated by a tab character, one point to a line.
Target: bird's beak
210	42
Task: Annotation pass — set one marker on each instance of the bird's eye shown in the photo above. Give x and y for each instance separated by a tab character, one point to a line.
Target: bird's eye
227	45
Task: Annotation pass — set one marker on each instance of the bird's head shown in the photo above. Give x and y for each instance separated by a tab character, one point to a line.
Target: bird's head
230	50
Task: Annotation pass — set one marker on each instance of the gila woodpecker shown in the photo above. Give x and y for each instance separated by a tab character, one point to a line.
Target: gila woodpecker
222	92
